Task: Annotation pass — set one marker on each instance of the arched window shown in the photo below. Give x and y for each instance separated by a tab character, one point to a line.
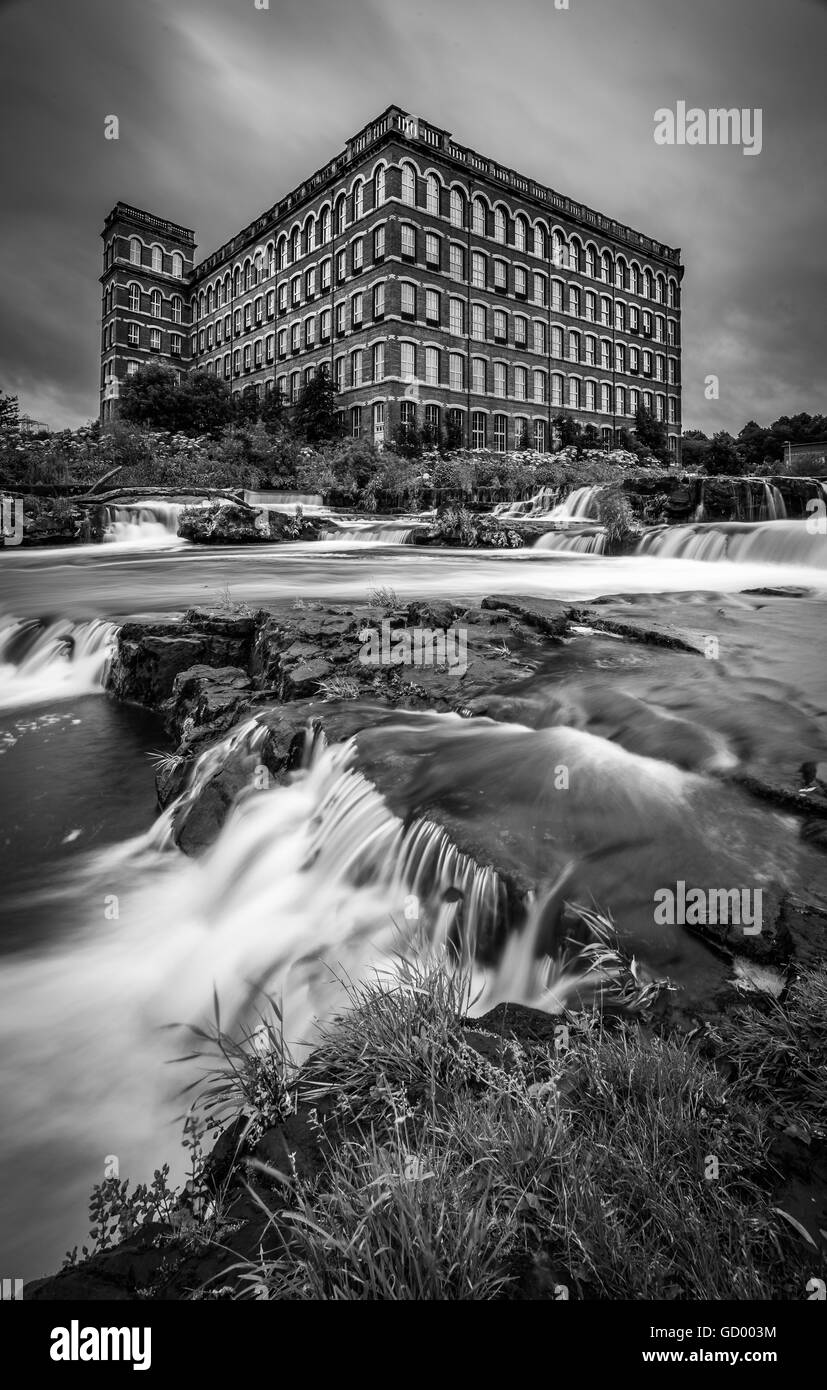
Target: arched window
409	185
310	228
574	254
520	231
295	244
379	187
358	199
325	226
177	309
648	284
607	267
134	250
271	259
237	280
539	241
590	261
282	254
499	225
432	194
157	258
620	273
178	265
457	208
209	300
258	274
478	217
135	298
559	254
341	214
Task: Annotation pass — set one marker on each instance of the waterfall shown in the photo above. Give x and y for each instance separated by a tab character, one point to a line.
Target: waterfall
391	531
582	543
150	523
772	506
579	505
762	542
41	662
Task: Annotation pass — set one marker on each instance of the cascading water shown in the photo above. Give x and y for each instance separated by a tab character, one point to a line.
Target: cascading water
150	523
41	662
767	542
390	531
772	507
579	505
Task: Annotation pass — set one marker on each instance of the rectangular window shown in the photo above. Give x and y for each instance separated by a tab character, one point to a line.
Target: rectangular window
478	270
310	333
408	242
457	317
539	289
456	373
457	263
500	433
520	331
341	267
356	422
340	318
478	422
176	344
500	275
520	282
378	301
431	306
379	362
539	337
407	361
499	378
478	375
356	369
478	322
408	300
358	254
500	326
155	339
432	249
295	337
356	310
296	289
432	366
133	335
520	383
379	244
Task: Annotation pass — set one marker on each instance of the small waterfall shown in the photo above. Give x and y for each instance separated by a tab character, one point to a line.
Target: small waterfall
579	505
387	532
152	523
43	662
581	543
764	542
772	506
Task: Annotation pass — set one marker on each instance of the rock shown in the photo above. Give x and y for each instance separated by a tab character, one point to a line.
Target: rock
549	616
234	523
206	698
153	651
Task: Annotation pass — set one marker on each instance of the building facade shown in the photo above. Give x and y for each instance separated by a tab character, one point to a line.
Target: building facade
437	285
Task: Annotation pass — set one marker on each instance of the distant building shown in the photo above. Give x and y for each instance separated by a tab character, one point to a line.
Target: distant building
438	286
806	460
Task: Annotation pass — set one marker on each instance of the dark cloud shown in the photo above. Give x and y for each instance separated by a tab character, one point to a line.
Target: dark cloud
223	108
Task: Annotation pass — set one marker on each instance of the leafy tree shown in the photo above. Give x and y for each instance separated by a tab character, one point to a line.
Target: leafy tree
9	413
453	431
204	404
722	457
316	417
408	442
652	433
694	449
569	431
150	398
271	413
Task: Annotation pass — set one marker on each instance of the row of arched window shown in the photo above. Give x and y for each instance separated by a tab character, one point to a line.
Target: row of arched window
156	258
151	302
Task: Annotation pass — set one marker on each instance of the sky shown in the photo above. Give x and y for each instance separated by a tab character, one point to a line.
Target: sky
224	107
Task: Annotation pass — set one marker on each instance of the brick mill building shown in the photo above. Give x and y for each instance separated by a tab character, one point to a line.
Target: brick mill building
435	283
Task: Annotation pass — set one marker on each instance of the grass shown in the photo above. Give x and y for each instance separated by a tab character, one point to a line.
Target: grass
339	688
455	1171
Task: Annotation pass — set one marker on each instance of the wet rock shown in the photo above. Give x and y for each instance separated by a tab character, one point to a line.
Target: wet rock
206	698
234	523
153	651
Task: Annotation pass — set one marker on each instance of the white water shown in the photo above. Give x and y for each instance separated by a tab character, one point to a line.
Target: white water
579	505
43	663
741	542
396	531
147	523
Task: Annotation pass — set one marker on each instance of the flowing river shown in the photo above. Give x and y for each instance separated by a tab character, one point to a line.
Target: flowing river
111	935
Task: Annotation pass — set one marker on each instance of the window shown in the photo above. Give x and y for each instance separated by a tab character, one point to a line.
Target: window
295	386
478	270
296	337
237	322
432	306
341	313
500	275
456	209
520	234
673	371
379	361
520	331
432	194
409	185
358	200
606	312
539	383
520	282
131	368
432	249
379	422
520	383
456	372
356	422
499	225
178	265
378	301
258	354
356	307
155	340
177	309
358	255
432	421
574	393
379	187
574	347
500	326
296	289
339	373
356	360
590	395
590	261
673	410
407	416
135	298
478	217
539	286
282	342
620	357
539	241
605	354
456	268
591	306
408	300
499	378
605	398
310	333
133	335
407	357
500	433
456	316
282	299
620	318
379	244
248	316
574	255
408	242
134	250
258	308
324	326
478	322
478	430
478	375
341	215
176	344
540	436
432	366
539	336
620	401
522	438
574	301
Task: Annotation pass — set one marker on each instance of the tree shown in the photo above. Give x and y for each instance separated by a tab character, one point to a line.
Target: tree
316	416
204	404
271	413
150	398
569	431
652	433
722	457
694	449
453	431
9	413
